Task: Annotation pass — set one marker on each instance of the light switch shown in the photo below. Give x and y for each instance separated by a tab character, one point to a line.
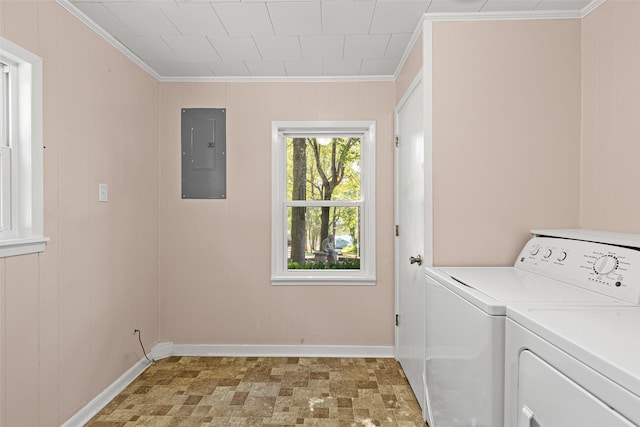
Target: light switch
103	193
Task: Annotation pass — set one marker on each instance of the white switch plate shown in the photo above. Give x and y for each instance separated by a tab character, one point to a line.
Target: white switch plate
103	193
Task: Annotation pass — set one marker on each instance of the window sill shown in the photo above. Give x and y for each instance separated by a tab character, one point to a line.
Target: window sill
307	280
22	246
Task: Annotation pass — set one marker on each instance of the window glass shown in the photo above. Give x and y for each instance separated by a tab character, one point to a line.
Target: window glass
4	105
323	168
327	169
311	247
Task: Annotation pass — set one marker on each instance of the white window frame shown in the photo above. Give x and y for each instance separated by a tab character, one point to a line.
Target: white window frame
23	234
280	274
8	156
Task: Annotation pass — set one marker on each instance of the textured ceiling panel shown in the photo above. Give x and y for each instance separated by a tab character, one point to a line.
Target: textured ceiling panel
149	48
397	45
347	17
366	46
287	38
266	68
144	19
295	18
345	67
194	19
397	16
303	68
243	18
191	48
237	48
562	4
228	68
178	69
278	47
322	47
104	18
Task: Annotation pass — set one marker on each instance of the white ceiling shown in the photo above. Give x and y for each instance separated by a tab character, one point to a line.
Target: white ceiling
218	39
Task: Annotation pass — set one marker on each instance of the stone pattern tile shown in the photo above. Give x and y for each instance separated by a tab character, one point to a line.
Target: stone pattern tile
269	392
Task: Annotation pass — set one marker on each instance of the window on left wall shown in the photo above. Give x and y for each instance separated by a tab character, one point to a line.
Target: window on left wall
21	171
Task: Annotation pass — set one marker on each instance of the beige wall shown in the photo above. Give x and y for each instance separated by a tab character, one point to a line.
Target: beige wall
506	135
215	254
67	315
507	124
410	69
610	125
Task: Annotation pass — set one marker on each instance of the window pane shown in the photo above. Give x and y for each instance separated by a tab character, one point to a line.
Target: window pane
323	238
4	105
323	168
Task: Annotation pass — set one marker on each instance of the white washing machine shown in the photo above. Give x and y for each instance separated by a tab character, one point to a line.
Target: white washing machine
572	366
466	311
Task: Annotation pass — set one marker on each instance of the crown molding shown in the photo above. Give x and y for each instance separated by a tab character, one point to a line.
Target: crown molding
514	16
503	16
276	79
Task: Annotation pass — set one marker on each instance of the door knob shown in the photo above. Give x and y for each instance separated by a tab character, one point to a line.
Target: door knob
415	260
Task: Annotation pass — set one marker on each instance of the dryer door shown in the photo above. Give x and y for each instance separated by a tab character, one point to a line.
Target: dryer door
548	398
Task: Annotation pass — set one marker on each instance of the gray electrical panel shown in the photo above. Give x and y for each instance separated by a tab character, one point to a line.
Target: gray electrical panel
204	148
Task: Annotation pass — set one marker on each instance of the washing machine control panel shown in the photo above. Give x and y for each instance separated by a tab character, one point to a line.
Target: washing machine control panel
608	269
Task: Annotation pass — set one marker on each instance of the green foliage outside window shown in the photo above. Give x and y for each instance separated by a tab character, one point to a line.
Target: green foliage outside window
327	170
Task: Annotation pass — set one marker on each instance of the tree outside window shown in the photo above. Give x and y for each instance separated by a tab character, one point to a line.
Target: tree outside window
325	170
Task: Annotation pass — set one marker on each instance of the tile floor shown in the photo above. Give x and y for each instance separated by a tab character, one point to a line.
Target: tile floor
261	391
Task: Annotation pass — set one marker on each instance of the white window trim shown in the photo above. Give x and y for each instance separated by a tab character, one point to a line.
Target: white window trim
280	275
27	188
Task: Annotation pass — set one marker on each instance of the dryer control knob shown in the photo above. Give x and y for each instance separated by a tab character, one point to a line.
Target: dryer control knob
547	253
605	265
534	251
562	256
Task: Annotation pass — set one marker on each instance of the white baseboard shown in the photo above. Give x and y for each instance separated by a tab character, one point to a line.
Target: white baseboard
281	350
81	417
161	350
166	349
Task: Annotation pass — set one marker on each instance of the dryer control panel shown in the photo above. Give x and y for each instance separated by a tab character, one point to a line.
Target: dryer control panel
608	269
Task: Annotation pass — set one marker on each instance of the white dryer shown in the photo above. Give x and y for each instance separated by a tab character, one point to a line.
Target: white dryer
466	311
572	366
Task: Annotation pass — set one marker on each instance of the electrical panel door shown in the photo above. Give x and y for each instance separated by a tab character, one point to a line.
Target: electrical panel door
204	147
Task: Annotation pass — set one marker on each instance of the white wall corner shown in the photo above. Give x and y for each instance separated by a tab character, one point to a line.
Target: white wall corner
161	350
591	7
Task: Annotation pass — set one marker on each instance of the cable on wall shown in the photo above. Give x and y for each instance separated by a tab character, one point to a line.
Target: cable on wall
137	332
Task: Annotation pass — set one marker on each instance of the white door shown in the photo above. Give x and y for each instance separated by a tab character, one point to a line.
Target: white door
410	288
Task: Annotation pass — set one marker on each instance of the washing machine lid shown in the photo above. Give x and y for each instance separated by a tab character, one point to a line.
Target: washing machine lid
607	339
491	289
